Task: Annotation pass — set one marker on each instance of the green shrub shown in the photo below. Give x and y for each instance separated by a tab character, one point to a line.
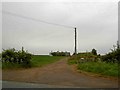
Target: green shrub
16	57
113	56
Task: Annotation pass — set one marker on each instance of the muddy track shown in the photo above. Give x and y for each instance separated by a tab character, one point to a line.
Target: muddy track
59	73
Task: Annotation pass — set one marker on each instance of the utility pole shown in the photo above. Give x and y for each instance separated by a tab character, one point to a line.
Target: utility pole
118	45
75	41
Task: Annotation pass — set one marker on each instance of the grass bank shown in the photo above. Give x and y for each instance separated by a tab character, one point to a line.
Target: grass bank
36	61
109	69
102	68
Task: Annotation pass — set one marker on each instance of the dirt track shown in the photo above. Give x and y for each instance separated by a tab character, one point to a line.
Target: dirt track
59	73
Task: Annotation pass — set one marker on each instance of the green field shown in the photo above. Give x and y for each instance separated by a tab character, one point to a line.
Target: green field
36	61
40	60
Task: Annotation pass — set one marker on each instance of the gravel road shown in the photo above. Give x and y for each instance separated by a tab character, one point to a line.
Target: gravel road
58	74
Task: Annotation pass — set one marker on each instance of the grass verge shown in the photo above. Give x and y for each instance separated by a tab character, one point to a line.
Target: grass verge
109	69
102	68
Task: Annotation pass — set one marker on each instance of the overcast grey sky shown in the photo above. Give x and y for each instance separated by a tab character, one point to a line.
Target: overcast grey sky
96	22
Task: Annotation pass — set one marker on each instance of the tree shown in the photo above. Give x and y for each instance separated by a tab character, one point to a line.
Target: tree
94	52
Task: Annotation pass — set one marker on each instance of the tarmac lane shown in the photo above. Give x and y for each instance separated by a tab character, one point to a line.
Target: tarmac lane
14	84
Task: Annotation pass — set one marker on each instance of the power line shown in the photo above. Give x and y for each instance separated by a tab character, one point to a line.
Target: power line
38	20
34	19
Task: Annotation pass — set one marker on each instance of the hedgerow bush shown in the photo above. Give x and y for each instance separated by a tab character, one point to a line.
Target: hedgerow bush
113	56
17	57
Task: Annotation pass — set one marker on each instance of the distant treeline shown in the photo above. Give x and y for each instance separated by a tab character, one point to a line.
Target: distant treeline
58	53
